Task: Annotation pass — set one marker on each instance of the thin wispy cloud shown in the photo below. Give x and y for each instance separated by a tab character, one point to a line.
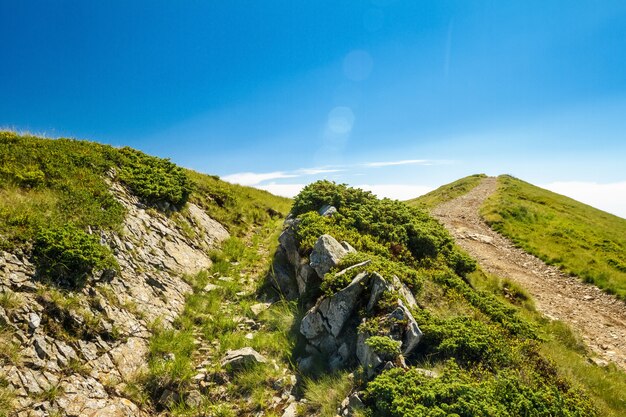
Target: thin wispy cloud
258	178
401	162
317	171
254	178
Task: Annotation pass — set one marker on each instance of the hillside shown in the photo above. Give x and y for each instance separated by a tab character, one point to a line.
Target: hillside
580	239
132	287
446	192
558	300
99	250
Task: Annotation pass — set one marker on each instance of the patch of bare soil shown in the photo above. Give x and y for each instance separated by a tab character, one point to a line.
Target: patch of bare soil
599	317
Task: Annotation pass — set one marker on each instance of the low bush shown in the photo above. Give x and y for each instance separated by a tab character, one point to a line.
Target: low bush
155	180
461	393
67	255
384	346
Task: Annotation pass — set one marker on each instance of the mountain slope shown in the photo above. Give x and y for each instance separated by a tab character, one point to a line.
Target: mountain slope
446	192
580	239
97	245
599	318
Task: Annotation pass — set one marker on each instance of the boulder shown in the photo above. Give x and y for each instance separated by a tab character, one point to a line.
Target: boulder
282	275
242	357
404	292
287	240
326	254
331	313
368	359
307	279
378	286
412	332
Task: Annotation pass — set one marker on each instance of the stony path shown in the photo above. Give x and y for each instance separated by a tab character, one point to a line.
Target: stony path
600	318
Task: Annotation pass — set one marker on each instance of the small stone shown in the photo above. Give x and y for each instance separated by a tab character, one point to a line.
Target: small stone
194	399
210	287
291	410
34	321
242	357
327	211
259	307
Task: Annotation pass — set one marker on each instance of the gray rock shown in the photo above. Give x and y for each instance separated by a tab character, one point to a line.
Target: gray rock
242	357
291	410
326	254
259	307
282	275
331	313
412	332
404	292
379	286
327	211
368	359
307	279
337	308
287	240
34	321
194	399
348	247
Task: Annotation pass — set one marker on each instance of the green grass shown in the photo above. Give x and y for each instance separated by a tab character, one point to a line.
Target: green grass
213	317
482	333
47	183
326	393
580	239
446	192
564	348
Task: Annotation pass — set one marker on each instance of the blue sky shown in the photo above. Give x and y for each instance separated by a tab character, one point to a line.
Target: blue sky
395	96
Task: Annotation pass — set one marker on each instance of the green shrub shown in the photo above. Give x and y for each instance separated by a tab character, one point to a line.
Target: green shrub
384	346
507	393
467	340
67	255
386	227
153	179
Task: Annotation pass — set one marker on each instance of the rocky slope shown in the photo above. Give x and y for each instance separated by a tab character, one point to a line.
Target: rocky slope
77	353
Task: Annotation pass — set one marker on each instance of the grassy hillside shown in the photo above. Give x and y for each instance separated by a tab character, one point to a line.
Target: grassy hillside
446	192
496	356
582	240
47	183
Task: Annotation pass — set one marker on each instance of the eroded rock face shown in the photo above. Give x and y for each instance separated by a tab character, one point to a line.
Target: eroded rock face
90	369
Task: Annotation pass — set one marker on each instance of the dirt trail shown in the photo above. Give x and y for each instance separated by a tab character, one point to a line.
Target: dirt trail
600	318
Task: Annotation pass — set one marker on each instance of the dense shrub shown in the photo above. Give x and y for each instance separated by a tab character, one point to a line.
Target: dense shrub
467	340
67	255
385	227
153	179
460	393
385	347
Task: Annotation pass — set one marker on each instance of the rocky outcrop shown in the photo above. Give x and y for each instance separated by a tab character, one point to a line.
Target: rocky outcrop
332	325
78	350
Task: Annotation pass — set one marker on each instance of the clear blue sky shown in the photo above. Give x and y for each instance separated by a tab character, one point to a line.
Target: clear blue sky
399	96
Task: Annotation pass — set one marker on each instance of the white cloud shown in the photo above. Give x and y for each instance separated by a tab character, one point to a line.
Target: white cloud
315	171
394	163
609	197
253	178
284	190
397	191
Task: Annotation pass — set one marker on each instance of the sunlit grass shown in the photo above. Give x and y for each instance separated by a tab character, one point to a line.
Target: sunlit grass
578	238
